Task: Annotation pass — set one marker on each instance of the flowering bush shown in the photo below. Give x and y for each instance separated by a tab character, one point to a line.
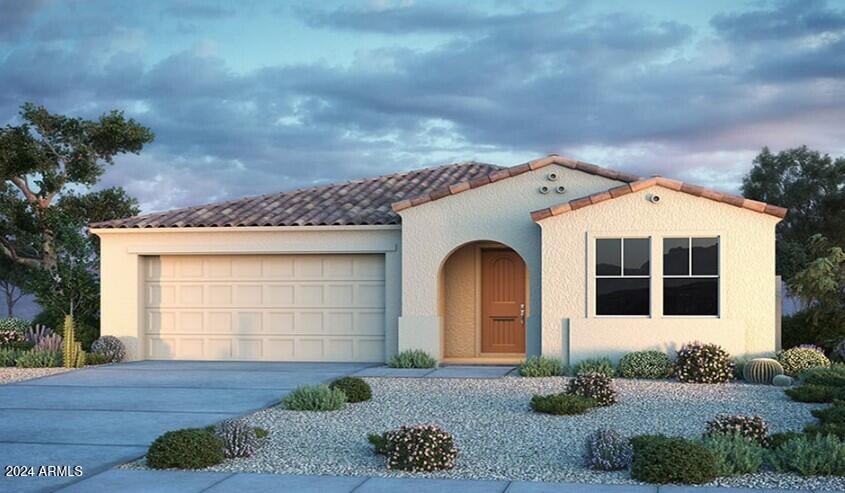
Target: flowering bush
608	450
596	386
111	347
752	427
52	342
11	338
420	448
796	360
239	439
645	364
703	363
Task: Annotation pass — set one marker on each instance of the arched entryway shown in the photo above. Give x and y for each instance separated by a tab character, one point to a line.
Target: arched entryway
483	304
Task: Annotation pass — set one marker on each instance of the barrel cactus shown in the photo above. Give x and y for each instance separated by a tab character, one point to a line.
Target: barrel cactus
782	381
761	370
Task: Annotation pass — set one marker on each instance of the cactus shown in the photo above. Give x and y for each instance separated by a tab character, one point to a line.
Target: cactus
71	347
761	370
81	356
782	381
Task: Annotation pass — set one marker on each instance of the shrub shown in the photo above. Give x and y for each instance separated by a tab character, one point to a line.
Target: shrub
420	448
39	359
595	386
356	389
8	356
12	338
831	421
735	454
596	365
36	333
839	351
379	442
660	459
52	342
412	358
315	398
562	404
815	393
646	364
14	325
798	359
261	433
111	347
833	376
94	359
239	439
541	366
703	363
752	427
190	448
778	439
820	455
608	450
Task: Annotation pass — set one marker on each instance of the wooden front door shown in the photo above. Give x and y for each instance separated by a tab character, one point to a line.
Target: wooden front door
502	302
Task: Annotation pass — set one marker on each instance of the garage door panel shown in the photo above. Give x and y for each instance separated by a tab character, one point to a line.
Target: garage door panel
272	308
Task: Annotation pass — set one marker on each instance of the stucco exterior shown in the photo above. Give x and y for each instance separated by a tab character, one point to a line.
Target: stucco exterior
746	321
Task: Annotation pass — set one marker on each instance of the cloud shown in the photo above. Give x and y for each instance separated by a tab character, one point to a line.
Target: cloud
16	17
793	19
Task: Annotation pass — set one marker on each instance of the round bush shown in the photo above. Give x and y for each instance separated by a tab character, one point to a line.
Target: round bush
356	389
798	359
541	366
596	365
191	448
412	358
562	404
751	427
239	439
661	460
12	339
315	398
703	363
608	450
420	448
646	364
596	386
111	347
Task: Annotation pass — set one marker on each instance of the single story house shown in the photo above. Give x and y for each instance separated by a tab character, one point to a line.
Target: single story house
471	262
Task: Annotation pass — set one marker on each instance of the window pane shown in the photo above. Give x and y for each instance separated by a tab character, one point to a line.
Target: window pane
622	296
609	257
676	256
705	256
690	296
636	256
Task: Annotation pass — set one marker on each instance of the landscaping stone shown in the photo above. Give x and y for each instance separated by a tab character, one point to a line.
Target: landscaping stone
10	375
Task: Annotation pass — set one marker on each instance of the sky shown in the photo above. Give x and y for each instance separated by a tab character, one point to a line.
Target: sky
250	97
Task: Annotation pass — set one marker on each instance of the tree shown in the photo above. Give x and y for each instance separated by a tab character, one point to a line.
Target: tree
12	280
42	162
812	186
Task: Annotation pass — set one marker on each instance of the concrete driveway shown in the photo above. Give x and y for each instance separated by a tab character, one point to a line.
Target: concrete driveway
100	417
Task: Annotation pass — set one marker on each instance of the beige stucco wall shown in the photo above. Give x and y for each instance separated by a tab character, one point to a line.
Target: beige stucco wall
746	324
122	251
498	212
460	303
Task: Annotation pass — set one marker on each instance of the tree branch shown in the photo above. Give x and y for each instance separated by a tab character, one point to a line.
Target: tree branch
23	186
9	251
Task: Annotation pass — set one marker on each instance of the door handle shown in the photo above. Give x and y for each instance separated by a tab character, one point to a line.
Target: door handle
522	313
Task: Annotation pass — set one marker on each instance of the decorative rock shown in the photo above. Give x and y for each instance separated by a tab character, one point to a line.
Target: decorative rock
782	381
761	370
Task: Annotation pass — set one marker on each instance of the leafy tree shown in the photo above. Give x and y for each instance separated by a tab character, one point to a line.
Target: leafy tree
812	186
12	280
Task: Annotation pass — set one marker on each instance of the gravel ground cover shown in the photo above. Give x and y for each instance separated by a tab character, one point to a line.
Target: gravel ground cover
9	375
499	437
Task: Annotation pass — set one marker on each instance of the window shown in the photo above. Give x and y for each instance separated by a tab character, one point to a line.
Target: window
691	276
623	276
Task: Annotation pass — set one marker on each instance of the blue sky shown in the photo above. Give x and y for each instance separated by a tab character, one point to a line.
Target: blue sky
252	97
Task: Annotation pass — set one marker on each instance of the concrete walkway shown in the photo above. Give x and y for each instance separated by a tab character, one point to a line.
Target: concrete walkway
100	417
127	481
448	371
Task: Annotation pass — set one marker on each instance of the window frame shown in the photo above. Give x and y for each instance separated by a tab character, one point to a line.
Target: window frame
622	275
717	276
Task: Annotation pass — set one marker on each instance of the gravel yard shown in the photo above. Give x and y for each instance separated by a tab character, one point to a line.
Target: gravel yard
9	375
499	437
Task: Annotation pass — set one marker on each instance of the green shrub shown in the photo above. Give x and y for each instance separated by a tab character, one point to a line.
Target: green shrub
646	364
8	356
541	366
596	386
832	377
735	454
420	448
798	359
356	389
94	359
261	432
778	439
824	429
379	442
834	414
191	448
14	324
819	455
596	365
412	358
703	363
562	404
315	398
815	393
39	359
659	459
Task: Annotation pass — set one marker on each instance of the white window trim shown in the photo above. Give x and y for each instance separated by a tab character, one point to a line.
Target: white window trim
719	290
592	269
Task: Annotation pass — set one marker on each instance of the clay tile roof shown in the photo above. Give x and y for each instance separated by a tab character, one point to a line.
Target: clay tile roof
636	186
359	202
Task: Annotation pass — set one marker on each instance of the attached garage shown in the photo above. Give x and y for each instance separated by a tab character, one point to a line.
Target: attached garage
328	307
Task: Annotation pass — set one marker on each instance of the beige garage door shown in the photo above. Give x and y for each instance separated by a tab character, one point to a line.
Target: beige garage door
265	307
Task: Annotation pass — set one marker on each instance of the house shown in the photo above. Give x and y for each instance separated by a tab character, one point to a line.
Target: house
470	262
